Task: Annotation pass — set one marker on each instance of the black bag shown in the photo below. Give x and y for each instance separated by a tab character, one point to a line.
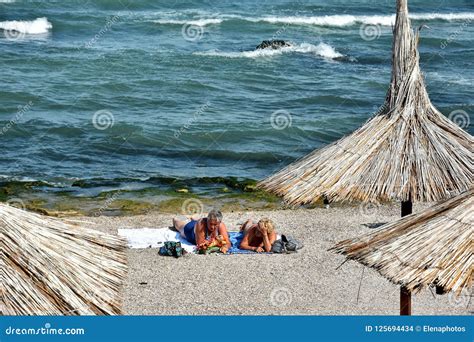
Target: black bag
286	244
172	248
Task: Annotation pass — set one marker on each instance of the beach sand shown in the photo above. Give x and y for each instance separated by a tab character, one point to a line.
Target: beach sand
306	283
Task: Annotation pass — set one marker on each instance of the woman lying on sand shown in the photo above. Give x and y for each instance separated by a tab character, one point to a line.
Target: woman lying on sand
258	237
205	230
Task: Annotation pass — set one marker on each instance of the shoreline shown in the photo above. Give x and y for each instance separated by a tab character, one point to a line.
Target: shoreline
306	283
128	196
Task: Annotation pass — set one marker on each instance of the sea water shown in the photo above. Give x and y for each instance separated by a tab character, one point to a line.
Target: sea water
106	94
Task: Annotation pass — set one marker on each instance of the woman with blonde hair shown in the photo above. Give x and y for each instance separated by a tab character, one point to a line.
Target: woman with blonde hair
258	237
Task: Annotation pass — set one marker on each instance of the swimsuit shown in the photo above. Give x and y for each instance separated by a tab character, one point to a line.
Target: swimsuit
190	233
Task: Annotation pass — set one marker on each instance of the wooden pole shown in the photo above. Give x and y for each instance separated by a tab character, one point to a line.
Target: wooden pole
405	294
326	202
407	208
405	301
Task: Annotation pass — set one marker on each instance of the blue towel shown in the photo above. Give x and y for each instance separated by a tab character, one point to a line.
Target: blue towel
236	239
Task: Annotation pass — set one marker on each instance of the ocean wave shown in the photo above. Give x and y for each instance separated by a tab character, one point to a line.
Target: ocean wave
37	26
197	22
443	16
324	20
348	20
322	50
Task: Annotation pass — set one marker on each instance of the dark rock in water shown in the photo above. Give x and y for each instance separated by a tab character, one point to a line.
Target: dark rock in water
272	44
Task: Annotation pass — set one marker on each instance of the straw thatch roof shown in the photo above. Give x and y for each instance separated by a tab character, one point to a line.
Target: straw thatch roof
408	151
431	248
49	267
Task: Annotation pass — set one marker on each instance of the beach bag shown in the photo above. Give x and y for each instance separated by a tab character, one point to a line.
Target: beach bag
171	248
286	244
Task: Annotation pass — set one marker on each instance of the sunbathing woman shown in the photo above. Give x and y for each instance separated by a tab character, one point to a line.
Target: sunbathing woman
258	237
205	230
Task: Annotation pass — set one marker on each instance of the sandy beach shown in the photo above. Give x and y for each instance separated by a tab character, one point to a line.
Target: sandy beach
306	283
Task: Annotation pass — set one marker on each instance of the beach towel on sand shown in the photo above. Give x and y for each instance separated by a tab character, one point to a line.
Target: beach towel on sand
153	238
156	237
235	240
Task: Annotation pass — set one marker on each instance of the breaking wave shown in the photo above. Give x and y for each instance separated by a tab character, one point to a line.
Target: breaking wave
322	50
324	20
37	26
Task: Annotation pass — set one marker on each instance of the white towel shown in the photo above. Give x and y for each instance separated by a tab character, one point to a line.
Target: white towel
153	238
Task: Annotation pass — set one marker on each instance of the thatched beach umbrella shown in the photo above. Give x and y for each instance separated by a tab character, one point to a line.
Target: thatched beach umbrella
408	152
432	248
49	267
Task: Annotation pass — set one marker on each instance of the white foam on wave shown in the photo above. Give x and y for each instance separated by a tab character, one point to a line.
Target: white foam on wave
197	22
327	20
322	50
324	20
347	20
37	26
443	16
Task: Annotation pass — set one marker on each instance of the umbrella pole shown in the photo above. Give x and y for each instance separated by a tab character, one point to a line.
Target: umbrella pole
405	301
326	202
405	294
407	207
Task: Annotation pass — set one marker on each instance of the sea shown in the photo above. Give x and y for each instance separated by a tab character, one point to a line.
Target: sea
101	97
